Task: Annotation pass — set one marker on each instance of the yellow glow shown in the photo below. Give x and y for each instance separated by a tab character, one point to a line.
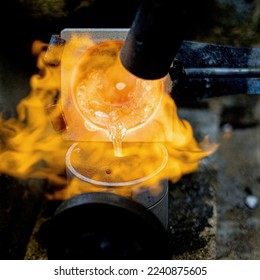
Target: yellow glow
31	148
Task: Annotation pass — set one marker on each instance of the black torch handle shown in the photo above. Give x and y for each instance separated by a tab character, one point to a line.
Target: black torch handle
154	38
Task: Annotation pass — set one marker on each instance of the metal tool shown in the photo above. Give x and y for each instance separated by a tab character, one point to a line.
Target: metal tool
154	38
203	70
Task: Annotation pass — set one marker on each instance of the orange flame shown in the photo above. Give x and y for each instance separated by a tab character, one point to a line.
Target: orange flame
30	148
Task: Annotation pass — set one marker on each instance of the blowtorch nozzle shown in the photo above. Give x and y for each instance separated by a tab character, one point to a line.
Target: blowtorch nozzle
154	39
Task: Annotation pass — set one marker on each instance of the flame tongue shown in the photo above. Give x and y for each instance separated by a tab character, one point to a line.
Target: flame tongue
30	148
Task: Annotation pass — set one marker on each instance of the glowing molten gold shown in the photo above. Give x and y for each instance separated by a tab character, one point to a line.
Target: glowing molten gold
110	97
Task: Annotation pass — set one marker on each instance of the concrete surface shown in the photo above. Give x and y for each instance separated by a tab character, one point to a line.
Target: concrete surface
238	179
